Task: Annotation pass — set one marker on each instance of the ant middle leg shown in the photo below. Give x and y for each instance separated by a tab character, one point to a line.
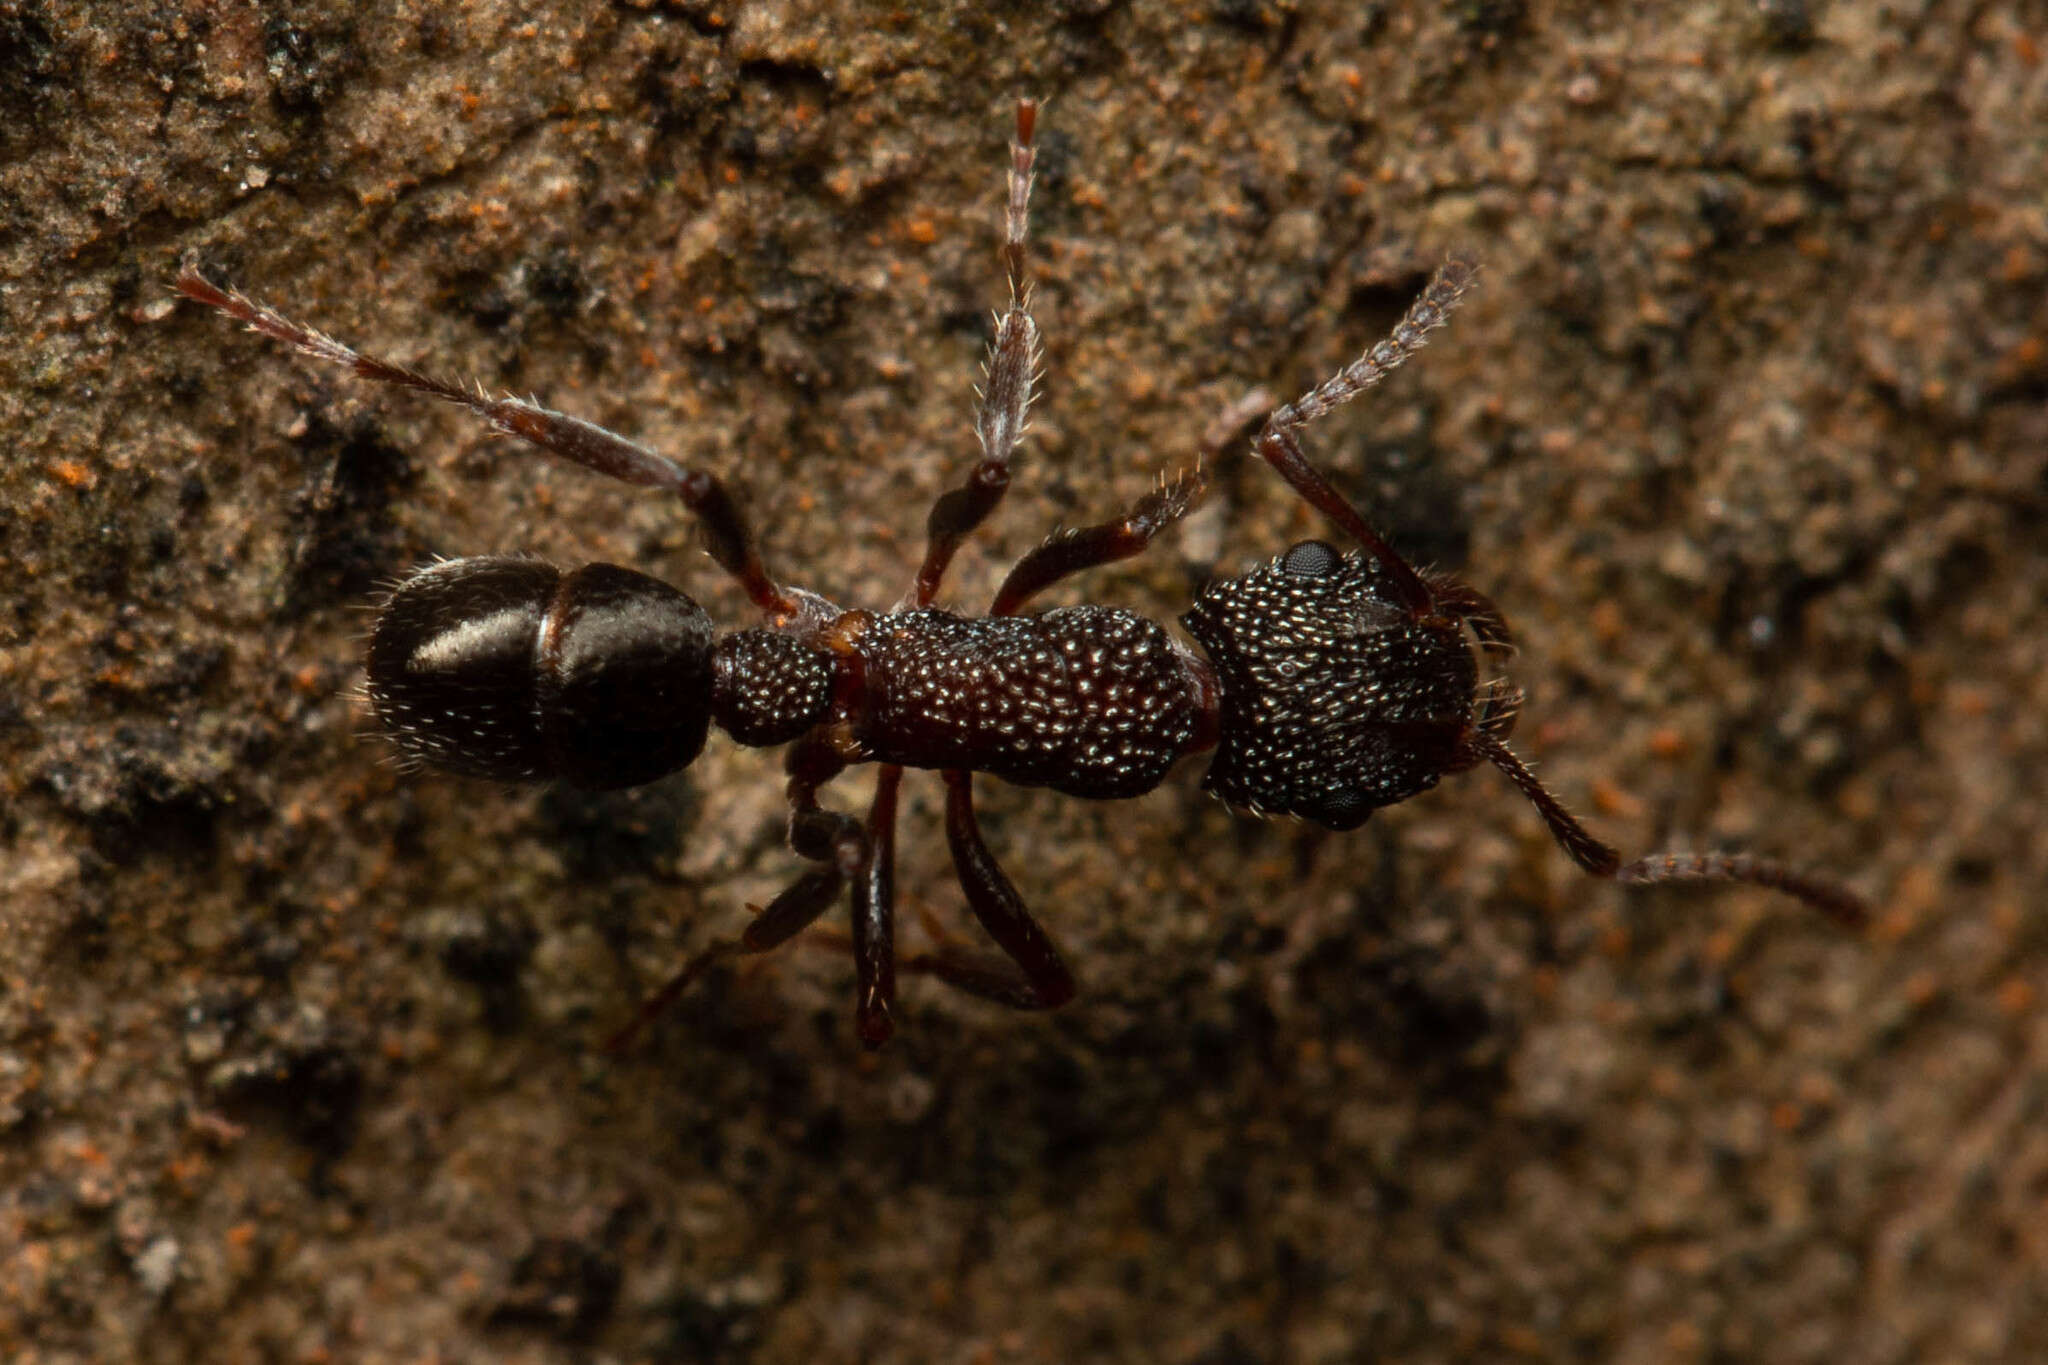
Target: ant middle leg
863	853
728	537
860	852
999	425
1034	976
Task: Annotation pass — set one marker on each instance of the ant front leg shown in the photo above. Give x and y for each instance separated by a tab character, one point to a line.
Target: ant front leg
1065	553
727	535
1035	977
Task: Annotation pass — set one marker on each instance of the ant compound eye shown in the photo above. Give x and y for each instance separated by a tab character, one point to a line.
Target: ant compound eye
1344	810
1311	559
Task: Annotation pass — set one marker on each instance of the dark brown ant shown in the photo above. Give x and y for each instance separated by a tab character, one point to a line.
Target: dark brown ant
1328	684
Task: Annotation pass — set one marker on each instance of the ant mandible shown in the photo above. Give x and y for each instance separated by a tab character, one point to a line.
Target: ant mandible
1327	683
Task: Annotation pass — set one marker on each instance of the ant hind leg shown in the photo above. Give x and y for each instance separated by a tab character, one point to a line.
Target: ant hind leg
789	914
1013	358
727	535
847	850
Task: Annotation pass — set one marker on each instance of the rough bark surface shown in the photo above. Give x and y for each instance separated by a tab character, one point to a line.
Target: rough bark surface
301	1056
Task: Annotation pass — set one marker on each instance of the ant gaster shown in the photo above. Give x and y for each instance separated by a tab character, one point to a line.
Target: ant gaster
1327	683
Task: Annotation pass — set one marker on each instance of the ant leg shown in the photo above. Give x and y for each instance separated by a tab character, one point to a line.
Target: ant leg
727	536
1013	359
788	915
1500	701
1035	977
1599	860
1069	552
1476	610
849	852
1064	553
874	915
1277	446
822	836
999	424
857	852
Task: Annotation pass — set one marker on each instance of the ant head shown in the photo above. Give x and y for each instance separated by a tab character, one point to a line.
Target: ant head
1336	699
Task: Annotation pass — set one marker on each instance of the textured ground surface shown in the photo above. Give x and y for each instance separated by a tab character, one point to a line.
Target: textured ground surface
300	1058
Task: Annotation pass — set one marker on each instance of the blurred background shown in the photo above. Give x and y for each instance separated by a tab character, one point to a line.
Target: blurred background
301	1058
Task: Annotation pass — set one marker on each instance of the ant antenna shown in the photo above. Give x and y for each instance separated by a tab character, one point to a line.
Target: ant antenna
1600	860
1278	447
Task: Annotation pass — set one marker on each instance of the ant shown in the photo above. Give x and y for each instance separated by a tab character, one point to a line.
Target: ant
1327	683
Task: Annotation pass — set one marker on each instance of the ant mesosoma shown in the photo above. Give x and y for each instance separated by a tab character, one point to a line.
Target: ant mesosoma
1327	683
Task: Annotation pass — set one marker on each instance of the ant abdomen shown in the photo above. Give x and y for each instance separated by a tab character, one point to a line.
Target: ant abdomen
507	668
